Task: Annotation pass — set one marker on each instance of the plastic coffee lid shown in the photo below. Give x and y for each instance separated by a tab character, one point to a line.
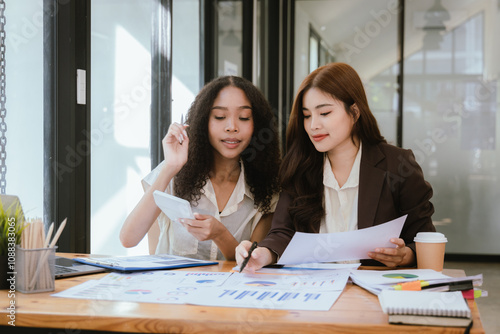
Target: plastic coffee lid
430	237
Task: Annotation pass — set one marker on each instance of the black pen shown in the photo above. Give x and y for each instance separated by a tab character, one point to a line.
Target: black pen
450	286
245	261
181	139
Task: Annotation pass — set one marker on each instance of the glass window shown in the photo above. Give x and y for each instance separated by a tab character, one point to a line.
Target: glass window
24	103
468	54
313	52
451	115
229	37
121	99
185	56
120	117
325	55
358	32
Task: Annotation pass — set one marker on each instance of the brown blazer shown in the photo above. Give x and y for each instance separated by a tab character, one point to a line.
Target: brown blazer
391	184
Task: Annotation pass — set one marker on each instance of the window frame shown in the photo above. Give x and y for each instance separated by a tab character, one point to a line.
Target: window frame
66	148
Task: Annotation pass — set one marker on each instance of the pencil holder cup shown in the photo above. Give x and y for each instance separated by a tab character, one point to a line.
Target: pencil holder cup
35	269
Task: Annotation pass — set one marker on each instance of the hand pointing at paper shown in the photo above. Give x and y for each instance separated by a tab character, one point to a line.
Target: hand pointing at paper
259	258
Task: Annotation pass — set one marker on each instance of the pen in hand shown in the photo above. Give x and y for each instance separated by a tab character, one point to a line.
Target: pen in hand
182	124
245	261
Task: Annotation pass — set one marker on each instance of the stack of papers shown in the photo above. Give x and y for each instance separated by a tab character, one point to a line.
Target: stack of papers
377	281
313	287
315	292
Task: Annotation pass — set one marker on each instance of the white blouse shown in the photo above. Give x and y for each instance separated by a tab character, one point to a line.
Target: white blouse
341	204
239	216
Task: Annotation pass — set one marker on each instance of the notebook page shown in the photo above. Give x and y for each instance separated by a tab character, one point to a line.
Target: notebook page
450	304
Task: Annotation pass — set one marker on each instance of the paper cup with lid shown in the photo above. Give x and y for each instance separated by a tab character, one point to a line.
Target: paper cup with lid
430	247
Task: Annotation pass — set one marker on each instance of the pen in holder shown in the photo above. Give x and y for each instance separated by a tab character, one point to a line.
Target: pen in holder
35	258
35	269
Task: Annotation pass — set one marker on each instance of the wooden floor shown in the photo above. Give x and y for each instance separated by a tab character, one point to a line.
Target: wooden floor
489	307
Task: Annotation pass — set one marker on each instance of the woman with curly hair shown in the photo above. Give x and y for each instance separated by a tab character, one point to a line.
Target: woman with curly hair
225	162
339	174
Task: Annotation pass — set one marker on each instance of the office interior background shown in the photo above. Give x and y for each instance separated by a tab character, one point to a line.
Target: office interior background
89	88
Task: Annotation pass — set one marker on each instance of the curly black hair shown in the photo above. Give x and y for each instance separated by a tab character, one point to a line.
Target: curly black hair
261	159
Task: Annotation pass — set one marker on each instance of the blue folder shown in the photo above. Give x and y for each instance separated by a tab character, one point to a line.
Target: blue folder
144	262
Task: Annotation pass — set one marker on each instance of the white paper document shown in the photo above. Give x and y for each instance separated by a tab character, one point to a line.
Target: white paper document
291	292
343	246
304	269
161	286
268	299
376	281
326	280
174	207
286	292
396	276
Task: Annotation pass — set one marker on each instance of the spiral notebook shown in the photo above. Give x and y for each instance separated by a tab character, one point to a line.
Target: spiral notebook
426	307
446	304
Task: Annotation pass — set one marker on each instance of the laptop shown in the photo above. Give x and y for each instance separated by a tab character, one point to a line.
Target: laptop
64	267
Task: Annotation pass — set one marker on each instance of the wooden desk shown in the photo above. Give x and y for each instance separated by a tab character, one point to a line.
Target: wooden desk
356	311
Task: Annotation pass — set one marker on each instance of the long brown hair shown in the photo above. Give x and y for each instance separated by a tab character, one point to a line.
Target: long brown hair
302	168
261	158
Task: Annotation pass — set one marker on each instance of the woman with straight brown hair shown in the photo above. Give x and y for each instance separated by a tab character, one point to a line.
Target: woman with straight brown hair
339	173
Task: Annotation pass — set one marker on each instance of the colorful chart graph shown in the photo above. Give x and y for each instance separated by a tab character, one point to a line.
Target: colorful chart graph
400	276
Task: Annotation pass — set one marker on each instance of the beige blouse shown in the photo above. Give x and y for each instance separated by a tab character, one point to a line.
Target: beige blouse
341	204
